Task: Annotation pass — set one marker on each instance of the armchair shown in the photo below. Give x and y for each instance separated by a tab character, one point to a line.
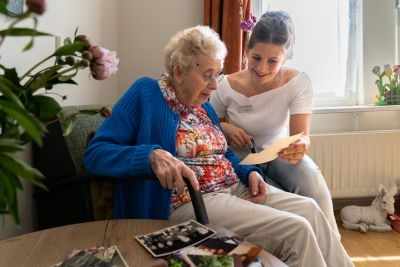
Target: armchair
72	195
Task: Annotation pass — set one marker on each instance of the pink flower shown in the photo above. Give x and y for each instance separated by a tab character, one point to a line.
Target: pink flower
104	62
396	69
37	6
248	25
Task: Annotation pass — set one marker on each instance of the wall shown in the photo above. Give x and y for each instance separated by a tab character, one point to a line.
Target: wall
379	40
144	29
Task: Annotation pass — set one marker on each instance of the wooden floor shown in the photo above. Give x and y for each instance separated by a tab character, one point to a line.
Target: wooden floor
372	249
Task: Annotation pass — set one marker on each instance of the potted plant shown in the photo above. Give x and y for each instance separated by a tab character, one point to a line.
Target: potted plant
26	102
388	84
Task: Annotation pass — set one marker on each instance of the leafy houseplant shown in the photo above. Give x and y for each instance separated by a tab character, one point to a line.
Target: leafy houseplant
388	84
26	101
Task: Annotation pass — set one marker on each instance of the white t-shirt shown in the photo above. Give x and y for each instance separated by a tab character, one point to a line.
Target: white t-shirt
264	116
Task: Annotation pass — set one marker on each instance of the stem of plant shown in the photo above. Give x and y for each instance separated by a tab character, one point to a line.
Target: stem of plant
35	66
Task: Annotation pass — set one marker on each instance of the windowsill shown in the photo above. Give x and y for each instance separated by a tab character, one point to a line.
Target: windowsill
354	109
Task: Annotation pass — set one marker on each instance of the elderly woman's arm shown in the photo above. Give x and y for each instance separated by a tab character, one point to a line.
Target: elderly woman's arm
243	171
113	151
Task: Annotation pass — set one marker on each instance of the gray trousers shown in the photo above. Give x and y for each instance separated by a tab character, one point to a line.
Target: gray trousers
290	226
304	178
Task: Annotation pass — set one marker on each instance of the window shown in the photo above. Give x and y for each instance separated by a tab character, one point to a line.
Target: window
337	44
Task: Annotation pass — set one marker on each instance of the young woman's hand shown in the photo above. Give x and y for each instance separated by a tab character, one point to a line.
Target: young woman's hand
257	188
170	171
237	137
296	151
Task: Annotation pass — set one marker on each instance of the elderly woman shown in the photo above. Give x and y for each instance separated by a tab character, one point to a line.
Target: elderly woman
165	129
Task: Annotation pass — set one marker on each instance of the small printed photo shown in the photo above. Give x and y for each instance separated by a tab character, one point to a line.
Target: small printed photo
219	245
94	257
174	238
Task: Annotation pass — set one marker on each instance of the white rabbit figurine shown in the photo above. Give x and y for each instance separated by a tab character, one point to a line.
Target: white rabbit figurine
373	217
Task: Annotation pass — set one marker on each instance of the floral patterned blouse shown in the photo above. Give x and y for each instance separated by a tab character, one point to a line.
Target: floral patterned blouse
201	145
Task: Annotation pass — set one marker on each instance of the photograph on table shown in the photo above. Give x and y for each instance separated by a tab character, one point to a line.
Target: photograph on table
174	238
94	257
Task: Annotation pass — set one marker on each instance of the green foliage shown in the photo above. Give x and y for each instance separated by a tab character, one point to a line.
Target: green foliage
27	105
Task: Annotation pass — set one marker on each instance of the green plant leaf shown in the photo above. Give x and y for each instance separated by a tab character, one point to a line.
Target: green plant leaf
29	45
70	49
32	126
42	79
9	190
8	88
58	81
9	145
47	107
3	7
21	169
11	74
21	32
8	184
76	32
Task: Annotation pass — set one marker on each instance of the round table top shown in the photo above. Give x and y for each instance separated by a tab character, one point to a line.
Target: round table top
48	247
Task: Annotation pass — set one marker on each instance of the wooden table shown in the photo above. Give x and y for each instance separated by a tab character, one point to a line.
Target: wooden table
47	247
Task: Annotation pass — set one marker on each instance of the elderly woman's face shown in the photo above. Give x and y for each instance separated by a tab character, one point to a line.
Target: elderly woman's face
195	86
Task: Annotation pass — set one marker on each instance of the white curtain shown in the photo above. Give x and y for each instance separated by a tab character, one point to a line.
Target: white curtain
353	84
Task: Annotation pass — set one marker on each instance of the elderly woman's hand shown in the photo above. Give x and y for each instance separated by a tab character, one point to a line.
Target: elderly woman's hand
236	136
170	171
296	151
257	188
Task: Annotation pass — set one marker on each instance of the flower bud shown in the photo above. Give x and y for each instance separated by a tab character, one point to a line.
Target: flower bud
87	55
37	6
104	63
70	60
83	39
84	63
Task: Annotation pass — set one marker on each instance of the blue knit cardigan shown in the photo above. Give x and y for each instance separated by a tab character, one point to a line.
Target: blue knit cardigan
141	121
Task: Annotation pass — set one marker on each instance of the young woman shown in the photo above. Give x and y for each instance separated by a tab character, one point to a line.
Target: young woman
267	101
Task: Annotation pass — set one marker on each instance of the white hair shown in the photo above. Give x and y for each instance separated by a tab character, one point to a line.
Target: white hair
185	45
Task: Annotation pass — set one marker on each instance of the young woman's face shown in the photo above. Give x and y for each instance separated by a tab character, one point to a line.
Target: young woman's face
196	86
265	60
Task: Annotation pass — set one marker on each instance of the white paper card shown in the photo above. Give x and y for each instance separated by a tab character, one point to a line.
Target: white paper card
271	152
